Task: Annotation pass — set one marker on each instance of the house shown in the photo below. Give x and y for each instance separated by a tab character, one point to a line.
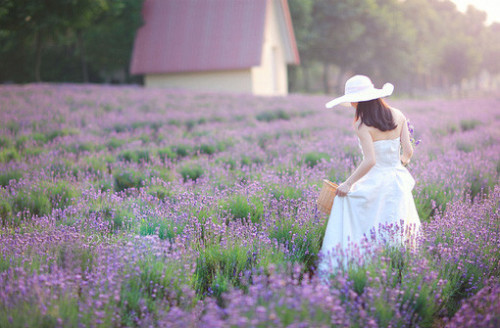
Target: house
216	45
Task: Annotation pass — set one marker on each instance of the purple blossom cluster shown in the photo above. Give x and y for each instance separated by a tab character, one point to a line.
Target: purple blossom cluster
130	207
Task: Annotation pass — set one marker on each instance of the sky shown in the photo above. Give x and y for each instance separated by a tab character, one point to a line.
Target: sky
491	7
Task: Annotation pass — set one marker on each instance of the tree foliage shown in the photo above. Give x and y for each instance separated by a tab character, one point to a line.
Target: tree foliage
415	43
418	44
62	40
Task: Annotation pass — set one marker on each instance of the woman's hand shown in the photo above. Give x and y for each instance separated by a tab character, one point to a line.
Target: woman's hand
343	189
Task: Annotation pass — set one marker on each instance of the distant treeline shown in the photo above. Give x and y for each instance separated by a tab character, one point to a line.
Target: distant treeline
68	40
419	44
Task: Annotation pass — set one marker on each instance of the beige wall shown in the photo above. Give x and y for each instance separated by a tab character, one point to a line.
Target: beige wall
230	81
270	78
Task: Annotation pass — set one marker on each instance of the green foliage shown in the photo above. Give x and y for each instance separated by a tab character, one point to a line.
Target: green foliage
431	198
286	192
164	228
190	124
99	165
50	136
126	179
207	149
60	168
33	151
118	215
191	171
174	122
9	155
218	268
467	125
430	38
39	138
128	156
137	155
145	138
21	142
37	202
269	116
5	142
115	143
227	161
103	185
158	279
313	158
465	147
61	194
162	173
247	160
480	183
160	192
242	207
8	175
86	147
459	58
5	211
182	150
13	127
301	241
166	153
358	277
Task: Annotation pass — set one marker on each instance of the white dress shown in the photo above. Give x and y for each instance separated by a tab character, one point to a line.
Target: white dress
381	196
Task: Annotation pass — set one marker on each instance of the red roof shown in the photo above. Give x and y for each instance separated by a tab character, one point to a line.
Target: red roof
201	35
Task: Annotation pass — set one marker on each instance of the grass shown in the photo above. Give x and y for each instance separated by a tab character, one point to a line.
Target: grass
300	241
269	116
433	197
218	268
191	172
467	125
137	156
241	207
128	178
7	176
313	158
9	155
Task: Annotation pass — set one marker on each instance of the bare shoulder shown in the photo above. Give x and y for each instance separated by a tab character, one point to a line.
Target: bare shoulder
361	129
356	125
399	116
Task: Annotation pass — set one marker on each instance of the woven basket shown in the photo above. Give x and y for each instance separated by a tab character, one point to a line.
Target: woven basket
326	196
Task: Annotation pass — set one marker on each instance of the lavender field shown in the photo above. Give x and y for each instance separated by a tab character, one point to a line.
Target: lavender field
127	207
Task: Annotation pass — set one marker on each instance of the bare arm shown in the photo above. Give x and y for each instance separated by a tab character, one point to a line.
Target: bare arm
405	143
366	164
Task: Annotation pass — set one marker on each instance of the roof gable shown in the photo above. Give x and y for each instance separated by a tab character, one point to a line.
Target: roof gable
197	35
203	35
286	30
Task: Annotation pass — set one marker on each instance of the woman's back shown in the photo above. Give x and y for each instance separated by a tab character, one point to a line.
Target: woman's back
401	132
399	120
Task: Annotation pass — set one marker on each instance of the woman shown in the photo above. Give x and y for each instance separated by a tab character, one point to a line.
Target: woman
378	192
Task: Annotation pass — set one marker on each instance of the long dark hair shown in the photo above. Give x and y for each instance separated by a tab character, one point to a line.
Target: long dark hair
375	113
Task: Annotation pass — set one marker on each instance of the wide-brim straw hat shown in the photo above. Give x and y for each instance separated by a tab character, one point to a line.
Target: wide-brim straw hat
360	88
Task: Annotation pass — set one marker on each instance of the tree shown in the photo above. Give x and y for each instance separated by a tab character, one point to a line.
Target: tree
79	16
336	31
492	49
116	29
301	12
48	20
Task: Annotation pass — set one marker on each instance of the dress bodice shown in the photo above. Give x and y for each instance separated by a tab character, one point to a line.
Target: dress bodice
387	152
